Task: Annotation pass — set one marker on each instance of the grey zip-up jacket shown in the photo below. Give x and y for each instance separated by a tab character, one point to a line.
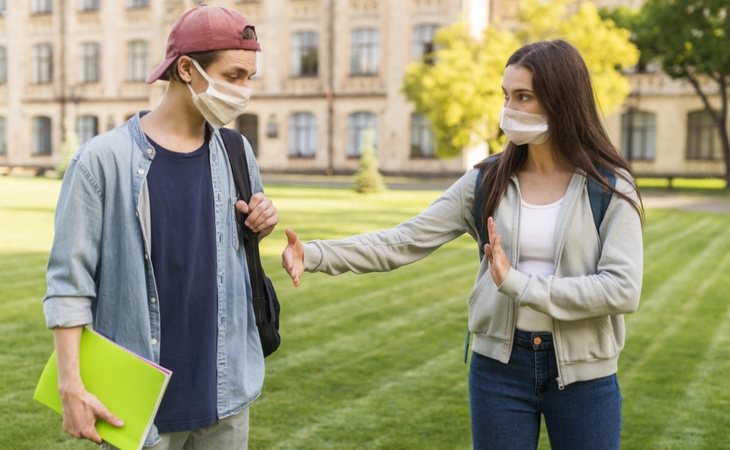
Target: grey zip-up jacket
597	278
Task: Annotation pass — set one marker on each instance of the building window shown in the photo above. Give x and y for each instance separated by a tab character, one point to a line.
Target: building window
248	125
422	46
87	127
42	64
638	130
41	135
302	135
3	65
422	145
304	56
89	62
365	52
88	5
138	3
41	6
3	137
703	139
136	60
357	124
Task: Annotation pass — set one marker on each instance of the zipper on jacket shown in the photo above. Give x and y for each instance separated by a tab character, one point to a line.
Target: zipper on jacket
558	363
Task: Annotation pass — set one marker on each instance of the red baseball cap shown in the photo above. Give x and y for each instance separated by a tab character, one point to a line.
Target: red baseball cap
202	29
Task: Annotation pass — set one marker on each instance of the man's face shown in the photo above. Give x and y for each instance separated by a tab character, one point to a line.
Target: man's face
232	66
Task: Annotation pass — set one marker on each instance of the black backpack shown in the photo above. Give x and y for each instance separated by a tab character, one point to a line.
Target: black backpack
265	303
597	195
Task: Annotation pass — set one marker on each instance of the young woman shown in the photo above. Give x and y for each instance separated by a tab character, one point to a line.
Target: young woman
547	308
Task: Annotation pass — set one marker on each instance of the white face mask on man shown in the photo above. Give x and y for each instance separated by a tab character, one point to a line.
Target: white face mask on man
523	128
221	102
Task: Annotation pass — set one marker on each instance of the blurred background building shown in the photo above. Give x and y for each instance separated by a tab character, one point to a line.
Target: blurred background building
329	70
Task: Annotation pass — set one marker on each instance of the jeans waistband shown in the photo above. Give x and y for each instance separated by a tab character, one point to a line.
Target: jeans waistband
536	340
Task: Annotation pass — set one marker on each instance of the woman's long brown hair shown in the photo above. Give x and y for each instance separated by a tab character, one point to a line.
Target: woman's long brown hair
562	84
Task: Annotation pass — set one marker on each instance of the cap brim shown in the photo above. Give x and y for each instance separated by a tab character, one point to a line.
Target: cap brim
159	72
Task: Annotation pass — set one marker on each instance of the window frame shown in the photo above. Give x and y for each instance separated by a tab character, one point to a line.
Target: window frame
42	124
42	63
357	123
86	130
420	128
701	129
419	43
302	43
642	124
3	65
89	62
302	135
137	60
3	136
364	52
88	5
41	7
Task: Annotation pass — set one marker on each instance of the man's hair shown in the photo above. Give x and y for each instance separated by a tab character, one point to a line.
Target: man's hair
205	58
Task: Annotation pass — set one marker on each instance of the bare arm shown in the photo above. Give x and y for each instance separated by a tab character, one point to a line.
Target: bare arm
80	408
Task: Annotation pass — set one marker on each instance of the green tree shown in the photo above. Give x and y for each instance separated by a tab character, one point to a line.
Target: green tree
604	45
691	41
461	92
368	178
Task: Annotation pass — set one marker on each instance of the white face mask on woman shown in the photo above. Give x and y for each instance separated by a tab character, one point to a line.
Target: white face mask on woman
221	102
523	128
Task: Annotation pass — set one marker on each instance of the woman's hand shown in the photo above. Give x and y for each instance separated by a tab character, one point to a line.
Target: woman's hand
292	259
499	264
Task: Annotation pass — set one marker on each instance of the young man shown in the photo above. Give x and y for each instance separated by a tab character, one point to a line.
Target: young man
146	245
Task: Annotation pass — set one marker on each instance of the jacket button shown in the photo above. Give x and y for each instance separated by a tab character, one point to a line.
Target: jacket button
152	299
537	340
153	342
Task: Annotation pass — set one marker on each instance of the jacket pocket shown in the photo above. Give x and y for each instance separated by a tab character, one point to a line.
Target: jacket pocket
588	339
489	311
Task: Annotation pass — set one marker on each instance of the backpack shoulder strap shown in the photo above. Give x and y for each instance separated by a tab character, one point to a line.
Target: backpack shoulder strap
239	164
600	197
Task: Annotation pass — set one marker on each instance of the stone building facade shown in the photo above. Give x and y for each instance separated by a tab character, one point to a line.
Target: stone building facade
329	70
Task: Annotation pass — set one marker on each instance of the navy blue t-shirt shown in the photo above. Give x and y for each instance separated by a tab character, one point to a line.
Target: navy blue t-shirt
184	261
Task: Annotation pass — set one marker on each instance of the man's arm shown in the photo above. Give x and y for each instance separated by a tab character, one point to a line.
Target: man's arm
80	408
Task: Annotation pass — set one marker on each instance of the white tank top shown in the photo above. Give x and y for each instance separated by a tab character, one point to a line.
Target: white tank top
537	255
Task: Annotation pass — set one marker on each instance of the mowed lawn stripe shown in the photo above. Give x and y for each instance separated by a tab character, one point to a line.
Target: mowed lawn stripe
666	345
330	298
681	292
704	403
361	411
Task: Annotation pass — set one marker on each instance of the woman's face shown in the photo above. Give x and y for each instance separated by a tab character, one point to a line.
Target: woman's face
517	89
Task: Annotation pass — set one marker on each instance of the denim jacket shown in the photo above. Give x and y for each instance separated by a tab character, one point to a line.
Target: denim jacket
100	271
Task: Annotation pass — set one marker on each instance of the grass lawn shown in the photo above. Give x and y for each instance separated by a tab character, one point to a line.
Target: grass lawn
376	361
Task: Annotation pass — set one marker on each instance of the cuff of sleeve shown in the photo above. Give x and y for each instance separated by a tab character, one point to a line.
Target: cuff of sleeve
514	284
67	312
312	257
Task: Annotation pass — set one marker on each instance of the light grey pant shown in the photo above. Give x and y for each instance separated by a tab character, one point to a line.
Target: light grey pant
230	433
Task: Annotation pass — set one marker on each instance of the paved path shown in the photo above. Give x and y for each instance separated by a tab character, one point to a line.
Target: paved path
652	198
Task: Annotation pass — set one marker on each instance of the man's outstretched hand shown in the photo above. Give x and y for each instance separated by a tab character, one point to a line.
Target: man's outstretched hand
292	259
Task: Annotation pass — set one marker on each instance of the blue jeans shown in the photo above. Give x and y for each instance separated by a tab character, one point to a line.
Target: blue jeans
508	400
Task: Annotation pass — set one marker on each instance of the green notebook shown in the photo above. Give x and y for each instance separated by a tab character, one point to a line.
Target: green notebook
130	386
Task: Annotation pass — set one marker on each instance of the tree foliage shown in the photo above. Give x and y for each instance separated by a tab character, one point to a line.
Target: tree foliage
691	41
461	93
